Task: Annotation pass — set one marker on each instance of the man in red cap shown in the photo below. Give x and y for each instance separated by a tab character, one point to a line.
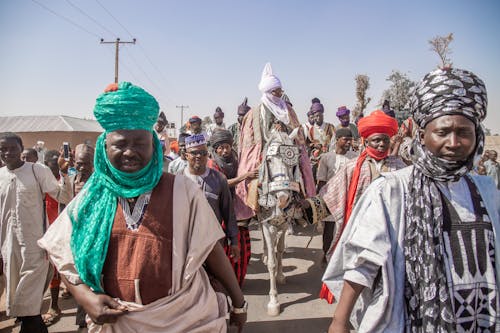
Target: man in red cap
340	194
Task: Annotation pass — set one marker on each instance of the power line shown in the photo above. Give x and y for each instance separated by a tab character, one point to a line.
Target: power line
144	73
65	18
142	49
114	18
117	43
90	17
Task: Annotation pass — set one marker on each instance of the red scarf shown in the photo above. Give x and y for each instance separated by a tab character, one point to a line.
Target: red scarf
351	195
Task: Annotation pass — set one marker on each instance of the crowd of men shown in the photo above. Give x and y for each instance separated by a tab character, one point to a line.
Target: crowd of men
152	234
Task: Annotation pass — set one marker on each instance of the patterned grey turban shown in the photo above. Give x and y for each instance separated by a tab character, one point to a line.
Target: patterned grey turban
449	91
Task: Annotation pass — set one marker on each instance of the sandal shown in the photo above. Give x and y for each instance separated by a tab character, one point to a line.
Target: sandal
51	317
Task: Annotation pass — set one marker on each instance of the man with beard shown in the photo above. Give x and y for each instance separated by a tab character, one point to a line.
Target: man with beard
420	252
340	195
132	245
224	160
235	128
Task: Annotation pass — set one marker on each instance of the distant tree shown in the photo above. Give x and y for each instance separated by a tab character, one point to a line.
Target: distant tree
398	93
362	85
441	45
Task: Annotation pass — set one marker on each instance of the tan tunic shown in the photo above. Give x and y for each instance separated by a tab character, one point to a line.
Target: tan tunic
191	305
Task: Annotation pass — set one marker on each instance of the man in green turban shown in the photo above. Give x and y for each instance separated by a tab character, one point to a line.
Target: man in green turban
116	245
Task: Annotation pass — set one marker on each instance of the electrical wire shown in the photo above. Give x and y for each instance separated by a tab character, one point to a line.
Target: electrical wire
156	68
66	19
114	18
90	17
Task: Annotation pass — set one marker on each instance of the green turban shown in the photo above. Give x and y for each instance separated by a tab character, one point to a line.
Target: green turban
128	108
92	212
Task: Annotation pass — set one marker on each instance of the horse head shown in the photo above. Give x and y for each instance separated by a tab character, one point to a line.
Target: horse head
279	177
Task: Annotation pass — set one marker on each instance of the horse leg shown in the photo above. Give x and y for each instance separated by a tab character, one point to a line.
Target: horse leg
281	234
273	307
264	246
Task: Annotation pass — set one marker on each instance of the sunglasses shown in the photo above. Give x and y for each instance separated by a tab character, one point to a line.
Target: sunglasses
198	153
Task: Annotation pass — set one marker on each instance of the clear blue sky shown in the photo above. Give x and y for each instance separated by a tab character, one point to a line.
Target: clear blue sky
211	53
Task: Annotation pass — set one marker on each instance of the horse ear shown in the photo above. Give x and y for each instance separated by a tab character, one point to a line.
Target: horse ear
245	101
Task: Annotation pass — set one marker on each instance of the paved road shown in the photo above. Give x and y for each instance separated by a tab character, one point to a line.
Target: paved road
301	310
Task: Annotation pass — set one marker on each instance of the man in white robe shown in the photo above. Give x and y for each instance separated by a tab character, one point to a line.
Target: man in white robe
22	193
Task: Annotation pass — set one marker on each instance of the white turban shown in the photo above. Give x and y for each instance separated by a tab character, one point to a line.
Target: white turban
276	105
268	81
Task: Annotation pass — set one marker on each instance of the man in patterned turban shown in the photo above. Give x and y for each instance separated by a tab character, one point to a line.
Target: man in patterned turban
421	250
114	244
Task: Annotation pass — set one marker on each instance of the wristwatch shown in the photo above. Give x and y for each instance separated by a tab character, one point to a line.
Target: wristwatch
241	310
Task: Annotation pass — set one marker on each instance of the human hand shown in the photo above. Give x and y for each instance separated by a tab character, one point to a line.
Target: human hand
238	320
252	174
64	164
235	252
102	308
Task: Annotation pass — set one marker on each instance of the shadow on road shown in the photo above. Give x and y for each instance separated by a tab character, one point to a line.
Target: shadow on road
311	325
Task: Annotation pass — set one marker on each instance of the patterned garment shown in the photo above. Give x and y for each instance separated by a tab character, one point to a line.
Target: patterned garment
440	93
449	91
235	131
240	266
134	218
471	273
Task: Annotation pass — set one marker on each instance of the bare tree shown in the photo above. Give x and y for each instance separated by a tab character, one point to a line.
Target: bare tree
399	91
441	45
362	85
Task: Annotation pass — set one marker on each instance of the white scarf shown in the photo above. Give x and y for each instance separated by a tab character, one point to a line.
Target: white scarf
277	106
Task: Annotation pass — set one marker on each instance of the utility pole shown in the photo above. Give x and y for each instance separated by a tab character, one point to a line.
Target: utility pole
117	43
182	107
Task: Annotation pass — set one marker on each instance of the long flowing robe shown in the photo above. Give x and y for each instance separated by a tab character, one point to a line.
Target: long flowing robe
26	268
192	305
255	131
334	194
370	251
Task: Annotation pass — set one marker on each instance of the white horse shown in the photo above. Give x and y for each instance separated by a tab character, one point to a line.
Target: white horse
281	183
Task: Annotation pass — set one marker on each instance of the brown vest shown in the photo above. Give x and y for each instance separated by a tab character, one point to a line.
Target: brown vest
138	266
